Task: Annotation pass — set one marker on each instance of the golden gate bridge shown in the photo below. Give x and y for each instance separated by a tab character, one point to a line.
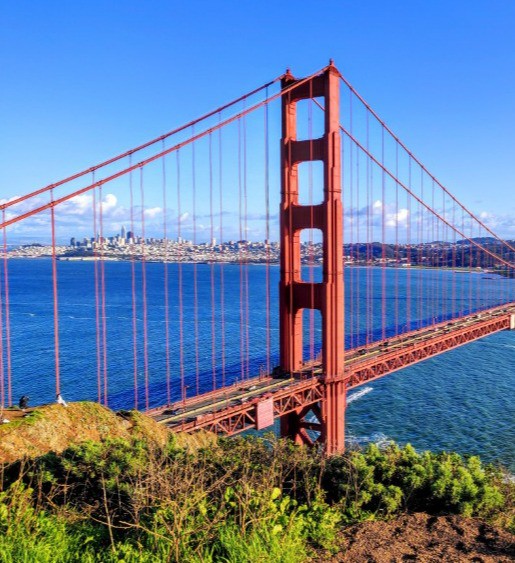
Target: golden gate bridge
305	162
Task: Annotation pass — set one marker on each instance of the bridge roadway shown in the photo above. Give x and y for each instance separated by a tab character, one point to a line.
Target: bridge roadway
236	408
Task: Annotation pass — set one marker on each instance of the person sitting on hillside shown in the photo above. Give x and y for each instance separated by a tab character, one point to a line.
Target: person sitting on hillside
60	400
24	402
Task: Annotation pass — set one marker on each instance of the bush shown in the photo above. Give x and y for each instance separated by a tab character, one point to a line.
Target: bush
380	483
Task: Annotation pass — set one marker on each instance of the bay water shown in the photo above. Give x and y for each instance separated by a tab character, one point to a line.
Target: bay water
462	400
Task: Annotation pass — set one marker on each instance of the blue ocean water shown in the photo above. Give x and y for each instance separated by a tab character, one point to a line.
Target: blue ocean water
462	400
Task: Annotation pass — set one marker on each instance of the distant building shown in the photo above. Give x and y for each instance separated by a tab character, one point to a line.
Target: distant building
123	232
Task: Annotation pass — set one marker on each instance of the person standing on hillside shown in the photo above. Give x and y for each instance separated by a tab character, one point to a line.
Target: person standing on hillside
23	402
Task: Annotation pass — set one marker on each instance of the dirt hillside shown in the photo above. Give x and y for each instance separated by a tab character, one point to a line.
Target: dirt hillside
425	539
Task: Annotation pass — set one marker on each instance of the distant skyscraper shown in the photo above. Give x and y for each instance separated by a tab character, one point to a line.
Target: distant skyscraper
123	233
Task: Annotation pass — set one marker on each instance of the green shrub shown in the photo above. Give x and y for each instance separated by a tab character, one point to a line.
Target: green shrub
379	483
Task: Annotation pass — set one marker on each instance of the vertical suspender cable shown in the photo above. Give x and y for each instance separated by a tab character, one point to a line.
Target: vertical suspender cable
358	255
132	243
383	241
455	312
369	312
2	371
372	267
311	259
7	318
352	216
166	277
463	265
246	264
267	237
420	312
440	261
221	234
195	265
435	258
445	255
240	255
408	251
471	283
397	218
480	262
212	264
179	279
55	298
144	288
97	295
103	294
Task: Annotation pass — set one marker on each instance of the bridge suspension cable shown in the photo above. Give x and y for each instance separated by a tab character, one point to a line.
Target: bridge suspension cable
145	162
139	148
420	164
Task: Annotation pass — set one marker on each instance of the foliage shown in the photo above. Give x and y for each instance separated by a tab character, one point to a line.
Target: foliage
381	482
245	499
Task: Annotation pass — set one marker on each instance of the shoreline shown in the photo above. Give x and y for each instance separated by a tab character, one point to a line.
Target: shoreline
237	262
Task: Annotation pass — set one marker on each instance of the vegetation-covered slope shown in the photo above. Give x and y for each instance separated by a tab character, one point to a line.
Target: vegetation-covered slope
135	498
55	428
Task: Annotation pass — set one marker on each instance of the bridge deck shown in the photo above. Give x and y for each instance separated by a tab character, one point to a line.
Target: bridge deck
233	409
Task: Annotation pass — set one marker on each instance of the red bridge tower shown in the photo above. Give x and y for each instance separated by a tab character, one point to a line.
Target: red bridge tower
295	294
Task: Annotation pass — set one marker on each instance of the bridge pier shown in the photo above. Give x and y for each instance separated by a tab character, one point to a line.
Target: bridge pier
295	295
333	417
295	426
327	418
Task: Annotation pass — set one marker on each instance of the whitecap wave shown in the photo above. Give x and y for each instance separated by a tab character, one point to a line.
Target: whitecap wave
358	394
378	438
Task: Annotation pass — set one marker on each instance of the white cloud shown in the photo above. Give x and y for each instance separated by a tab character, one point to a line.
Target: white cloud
78	205
501	224
400	218
152	212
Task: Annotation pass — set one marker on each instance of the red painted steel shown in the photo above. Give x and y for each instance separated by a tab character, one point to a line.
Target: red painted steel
327	296
264	414
233	410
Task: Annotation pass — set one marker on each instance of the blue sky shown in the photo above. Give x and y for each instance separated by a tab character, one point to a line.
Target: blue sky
85	80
